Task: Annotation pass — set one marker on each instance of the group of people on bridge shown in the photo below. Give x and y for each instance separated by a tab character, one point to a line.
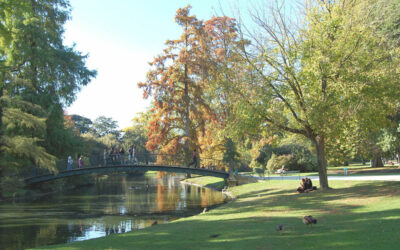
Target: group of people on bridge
111	157
115	156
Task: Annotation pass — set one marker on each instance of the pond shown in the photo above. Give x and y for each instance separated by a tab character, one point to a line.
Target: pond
115	204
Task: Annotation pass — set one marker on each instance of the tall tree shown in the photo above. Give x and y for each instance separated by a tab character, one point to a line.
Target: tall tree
184	84
175	82
221	39
317	80
38	70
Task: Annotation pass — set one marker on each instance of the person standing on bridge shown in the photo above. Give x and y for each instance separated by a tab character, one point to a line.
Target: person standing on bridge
80	161
70	162
132	155
115	156
122	155
111	156
194	157
105	156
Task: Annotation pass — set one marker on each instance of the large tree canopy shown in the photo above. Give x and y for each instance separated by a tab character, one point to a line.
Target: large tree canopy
39	76
323	79
179	82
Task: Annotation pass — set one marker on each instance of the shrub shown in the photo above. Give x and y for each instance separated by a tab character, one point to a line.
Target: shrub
10	185
243	167
294	157
276	162
265	154
259	171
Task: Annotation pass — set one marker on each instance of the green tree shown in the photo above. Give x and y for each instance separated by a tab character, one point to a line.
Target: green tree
332	74
18	149
389	138
103	126
230	154
136	135
81	123
39	76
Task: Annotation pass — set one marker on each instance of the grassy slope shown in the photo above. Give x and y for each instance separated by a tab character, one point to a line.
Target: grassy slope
354	215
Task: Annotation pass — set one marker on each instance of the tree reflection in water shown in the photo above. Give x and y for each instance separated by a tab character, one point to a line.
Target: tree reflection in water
115	204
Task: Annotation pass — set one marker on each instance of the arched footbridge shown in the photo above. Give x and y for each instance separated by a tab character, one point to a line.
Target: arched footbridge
125	168
117	163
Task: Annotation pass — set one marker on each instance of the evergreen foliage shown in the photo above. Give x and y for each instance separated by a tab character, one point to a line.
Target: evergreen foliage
230	155
39	76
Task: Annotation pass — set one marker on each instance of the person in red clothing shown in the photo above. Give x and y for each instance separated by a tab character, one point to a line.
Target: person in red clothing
80	161
194	159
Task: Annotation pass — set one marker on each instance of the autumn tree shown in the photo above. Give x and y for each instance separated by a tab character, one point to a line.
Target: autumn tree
221	39
176	85
184	84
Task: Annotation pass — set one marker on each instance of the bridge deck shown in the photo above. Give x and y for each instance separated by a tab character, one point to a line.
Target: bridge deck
126	168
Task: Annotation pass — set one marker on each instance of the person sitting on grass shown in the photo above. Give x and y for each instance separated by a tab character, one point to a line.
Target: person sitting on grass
306	186
302	186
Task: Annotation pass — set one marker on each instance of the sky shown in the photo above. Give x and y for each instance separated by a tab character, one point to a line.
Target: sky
121	37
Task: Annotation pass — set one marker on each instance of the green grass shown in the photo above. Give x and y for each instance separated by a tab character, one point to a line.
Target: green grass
210	182
353	215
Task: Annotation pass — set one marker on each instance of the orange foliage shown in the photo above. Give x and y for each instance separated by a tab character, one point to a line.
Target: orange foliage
191	59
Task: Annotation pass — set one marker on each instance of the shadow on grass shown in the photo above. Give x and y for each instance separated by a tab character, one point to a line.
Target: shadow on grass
361	216
368	231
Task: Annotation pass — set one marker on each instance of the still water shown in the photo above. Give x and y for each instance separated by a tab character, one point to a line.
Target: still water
113	205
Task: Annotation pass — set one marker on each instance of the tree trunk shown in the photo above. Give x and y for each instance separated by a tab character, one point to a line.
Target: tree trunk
231	166
319	143
187	102
377	161
187	120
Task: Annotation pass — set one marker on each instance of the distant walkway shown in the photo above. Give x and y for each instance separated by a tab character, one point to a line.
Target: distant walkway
344	177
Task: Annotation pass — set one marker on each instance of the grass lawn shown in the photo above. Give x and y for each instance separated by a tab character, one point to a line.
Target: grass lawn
353	215
210	182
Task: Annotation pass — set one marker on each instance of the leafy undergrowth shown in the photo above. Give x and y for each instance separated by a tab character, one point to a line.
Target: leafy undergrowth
353	215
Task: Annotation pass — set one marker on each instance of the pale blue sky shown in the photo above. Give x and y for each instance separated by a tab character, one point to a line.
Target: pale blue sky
121	37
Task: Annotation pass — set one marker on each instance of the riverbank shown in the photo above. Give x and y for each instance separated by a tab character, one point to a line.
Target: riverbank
353	215
210	182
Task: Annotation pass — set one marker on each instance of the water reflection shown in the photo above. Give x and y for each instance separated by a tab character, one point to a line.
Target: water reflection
114	205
